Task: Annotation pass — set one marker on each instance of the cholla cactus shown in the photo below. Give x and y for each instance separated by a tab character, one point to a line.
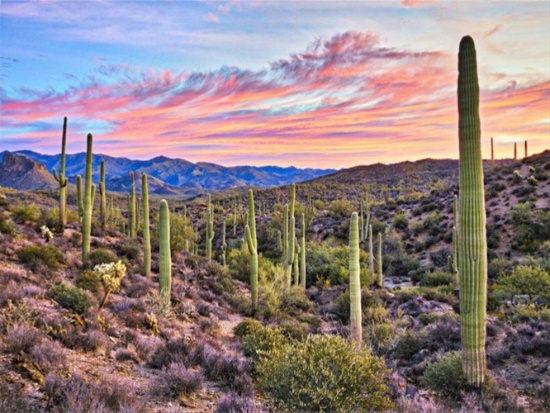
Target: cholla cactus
110	275
46	233
532	181
517	174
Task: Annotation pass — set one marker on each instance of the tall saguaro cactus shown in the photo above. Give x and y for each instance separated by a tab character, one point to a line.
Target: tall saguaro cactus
380	273
103	197
472	241
132	208
456	277
289	236
252	244
209	228
146	229
87	202
165	257
79	197
224	245
62	180
356	328
525	148
371	257
303	254
515	151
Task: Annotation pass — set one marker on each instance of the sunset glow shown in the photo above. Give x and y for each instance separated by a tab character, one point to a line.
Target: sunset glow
310	84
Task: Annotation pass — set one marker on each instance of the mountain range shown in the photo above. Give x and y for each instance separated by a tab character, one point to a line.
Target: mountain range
28	170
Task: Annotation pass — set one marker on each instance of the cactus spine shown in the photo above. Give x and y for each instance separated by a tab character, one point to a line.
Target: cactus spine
252	243
146	230
165	258
103	195
62	180
303	254
209	228
371	257
132	208
380	278
472	252
87	203
356	328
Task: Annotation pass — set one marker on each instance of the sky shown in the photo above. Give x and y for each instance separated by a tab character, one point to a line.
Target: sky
303	83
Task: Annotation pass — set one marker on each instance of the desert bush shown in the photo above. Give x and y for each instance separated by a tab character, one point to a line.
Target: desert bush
445	376
6	225
408	345
324	374
532	281
177	381
21	338
233	403
246	327
36	255
130	251
72	298
260	339
436	278
340	208
101	256
26	213
88	280
401	221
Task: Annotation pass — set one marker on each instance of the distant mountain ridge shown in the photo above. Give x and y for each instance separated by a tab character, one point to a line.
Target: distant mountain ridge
172	176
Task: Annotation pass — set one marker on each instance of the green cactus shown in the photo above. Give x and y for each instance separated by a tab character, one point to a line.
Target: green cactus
165	257
224	245
361	220
279	241
290	239
472	241
87	203
285	235
146	230
525	149
132	207
235	220
79	198
454	265
103	200
252	244
93	195
380	274
62	181
296	269
515	151
371	257
303	254
356	329
209	228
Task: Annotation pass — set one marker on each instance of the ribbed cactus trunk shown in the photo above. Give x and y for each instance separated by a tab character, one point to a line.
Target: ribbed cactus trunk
456	277
380	273
132	207
146	229
472	252
252	244
296	265
279	241
290	230
87	203
303	254
62	181
165	257
362	235
515	151
371	257
356	329
103	197
525	148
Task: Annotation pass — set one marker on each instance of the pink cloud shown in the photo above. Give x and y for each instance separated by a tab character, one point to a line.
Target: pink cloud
211	17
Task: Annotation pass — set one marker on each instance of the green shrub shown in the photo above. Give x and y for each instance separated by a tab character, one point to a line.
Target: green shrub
324	374
246	327
102	256
26	213
409	345
130	251
401	221
72	298
260	340
532	281
88	280
36	255
445	376
6	225
50	217
436	278
341	208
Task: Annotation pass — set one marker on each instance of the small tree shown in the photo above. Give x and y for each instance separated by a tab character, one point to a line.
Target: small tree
532	281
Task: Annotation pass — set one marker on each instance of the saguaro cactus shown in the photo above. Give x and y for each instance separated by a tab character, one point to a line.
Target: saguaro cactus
371	257
224	244
209	228
356	328
252	244
296	263
289	236
132	208
515	151
525	148
472	242
454	266
87	203
62	180
103	197
146	230
303	254
380	273
165	257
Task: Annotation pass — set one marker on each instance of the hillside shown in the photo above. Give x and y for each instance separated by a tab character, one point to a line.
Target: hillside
177	175
59	352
